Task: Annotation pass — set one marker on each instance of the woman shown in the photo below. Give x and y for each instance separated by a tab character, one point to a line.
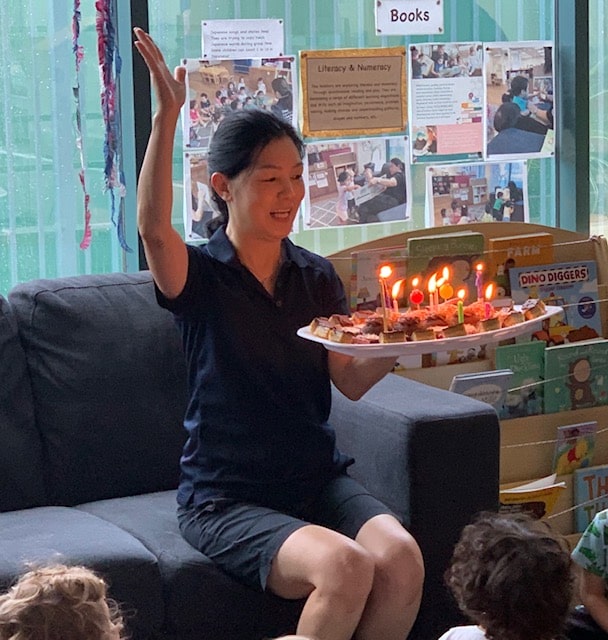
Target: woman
264	470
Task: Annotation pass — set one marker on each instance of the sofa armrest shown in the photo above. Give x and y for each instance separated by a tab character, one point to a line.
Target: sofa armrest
432	456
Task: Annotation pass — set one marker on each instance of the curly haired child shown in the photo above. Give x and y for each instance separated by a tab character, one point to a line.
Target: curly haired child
59	603
512	577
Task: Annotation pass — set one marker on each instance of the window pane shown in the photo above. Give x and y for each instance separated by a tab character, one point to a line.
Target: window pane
41	199
598	117
319	24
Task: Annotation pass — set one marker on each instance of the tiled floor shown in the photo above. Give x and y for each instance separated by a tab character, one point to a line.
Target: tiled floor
323	214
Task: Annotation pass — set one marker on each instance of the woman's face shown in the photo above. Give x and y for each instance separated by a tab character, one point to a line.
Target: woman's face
264	200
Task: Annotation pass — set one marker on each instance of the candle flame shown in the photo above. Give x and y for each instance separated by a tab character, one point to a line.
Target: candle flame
479	267
415	281
446	273
433	283
397	287
385	271
461	293
489	291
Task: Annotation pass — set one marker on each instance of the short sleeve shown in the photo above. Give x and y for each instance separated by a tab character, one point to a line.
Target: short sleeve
590	552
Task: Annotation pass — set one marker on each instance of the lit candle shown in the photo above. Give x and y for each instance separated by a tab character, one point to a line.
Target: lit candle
432	286
385	272
460	304
479	280
416	296
396	292
488	306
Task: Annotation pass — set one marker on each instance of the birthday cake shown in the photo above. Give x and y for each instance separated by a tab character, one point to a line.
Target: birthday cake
444	320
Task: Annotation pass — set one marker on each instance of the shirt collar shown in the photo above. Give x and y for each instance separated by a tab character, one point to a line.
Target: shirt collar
220	248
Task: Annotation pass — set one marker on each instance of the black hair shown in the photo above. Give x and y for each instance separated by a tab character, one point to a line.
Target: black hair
506	116
342	177
235	146
281	86
518	84
397	162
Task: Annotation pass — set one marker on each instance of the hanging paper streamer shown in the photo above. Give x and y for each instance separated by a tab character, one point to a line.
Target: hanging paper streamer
110	66
78	56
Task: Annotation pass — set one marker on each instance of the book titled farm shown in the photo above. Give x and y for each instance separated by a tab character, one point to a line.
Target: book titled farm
574	447
517	251
590	493
526	360
365	269
570	285
459	251
576	375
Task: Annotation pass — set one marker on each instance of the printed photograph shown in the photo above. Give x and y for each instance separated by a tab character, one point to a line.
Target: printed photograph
216	89
520	99
351	182
481	192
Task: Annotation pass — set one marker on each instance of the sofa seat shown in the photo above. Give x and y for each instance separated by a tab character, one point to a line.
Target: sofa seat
62	534
190	578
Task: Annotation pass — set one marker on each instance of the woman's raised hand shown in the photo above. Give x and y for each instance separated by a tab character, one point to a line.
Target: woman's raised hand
170	88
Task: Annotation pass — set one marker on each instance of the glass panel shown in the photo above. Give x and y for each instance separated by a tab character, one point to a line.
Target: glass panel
598	117
319	24
41	199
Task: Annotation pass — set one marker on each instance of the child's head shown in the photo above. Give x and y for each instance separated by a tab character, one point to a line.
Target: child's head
59	603
344	177
512	577
519	86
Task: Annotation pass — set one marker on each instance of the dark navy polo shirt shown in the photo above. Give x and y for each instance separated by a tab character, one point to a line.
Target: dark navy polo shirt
260	395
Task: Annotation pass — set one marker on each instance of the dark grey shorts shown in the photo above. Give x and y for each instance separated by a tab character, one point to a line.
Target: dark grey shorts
242	539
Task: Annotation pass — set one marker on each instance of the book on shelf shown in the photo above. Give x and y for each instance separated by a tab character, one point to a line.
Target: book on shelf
537	498
365	267
574	447
517	251
576	375
590	494
570	285
526	360
486	386
460	251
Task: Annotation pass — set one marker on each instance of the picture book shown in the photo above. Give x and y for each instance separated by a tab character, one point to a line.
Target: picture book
527	362
459	251
574	447
517	251
570	285
590	493
537	498
486	386
365	284
577	375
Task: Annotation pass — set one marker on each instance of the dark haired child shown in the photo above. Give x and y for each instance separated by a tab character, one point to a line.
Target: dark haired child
511	576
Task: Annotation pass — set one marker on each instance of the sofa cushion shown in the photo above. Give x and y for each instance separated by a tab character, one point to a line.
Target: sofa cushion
109	384
21	480
61	534
192	584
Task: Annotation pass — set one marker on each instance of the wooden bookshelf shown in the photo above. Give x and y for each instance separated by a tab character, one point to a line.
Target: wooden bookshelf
527	444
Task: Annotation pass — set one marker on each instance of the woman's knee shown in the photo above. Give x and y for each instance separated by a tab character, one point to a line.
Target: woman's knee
347	569
400	566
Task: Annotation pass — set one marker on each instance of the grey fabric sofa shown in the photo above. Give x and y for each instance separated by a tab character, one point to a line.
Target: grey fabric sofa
92	392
